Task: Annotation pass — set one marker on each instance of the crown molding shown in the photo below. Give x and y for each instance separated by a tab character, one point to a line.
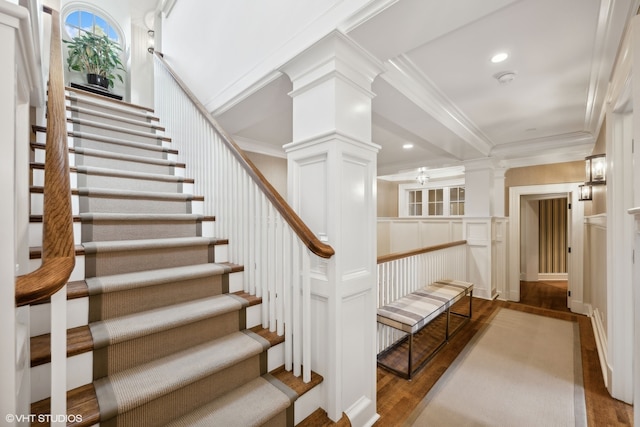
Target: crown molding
167	6
404	76
571	142
364	14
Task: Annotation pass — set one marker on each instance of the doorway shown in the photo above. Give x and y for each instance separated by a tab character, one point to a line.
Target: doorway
520	199
544	239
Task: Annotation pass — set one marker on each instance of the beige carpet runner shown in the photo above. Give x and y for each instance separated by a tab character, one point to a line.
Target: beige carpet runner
522	370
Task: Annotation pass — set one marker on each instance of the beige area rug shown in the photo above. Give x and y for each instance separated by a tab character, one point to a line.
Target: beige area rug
521	370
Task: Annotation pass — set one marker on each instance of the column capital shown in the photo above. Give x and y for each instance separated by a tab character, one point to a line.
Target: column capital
327	137
333	55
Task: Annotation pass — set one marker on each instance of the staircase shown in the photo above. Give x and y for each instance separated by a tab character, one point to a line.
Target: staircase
158	329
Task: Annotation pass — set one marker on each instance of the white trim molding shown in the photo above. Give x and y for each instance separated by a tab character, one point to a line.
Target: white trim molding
575	272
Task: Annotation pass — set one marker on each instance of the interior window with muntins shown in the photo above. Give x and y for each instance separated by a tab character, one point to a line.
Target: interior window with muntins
82	21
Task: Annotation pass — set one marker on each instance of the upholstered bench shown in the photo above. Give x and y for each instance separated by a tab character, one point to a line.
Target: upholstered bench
414	311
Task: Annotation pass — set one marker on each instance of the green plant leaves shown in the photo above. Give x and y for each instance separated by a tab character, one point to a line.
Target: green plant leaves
95	54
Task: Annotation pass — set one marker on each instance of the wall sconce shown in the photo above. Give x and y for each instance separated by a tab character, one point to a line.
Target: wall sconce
596	169
586	192
422	177
151	41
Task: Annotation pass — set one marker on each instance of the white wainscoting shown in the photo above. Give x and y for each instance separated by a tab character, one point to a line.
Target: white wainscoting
595	284
405	234
486	261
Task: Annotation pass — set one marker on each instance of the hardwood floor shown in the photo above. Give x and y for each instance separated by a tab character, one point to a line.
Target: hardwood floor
398	397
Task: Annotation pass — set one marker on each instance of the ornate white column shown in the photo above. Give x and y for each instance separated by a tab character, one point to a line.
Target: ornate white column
332	186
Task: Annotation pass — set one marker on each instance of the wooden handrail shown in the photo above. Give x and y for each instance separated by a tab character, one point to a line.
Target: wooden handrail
295	222
400	255
58	251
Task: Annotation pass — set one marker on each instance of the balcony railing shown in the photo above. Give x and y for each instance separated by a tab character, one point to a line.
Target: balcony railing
402	273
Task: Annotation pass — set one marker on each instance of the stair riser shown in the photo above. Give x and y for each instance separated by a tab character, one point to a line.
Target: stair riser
129	205
192	396
40	316
123	183
119	164
79	370
131	353
35	234
104	264
138	127
102	231
122	148
110	305
149	138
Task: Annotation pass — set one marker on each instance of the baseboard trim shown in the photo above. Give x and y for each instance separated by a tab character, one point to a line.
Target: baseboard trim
362	412
601	344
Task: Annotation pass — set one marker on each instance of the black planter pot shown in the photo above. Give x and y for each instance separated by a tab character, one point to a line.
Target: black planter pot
98	80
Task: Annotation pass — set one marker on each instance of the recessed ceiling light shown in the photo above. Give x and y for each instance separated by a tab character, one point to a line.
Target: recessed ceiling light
407	146
499	57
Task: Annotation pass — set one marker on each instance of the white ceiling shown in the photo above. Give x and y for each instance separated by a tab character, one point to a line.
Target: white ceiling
439	92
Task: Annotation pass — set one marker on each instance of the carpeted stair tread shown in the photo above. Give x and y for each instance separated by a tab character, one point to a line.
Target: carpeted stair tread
140	279
141	121
113	331
94	170
252	404
137	245
123	157
124	130
126	390
130	194
120	141
114	216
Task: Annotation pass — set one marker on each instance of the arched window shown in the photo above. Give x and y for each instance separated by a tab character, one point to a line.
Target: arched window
79	21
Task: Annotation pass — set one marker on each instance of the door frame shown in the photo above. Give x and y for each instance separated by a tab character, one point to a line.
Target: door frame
576	240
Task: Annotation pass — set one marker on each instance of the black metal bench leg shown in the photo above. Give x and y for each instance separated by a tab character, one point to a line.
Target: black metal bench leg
410	361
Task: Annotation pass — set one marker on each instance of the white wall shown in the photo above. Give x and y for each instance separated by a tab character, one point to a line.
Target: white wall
238	42
405	234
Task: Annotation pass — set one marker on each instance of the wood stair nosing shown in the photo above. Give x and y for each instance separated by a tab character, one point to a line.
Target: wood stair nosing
35	252
79	340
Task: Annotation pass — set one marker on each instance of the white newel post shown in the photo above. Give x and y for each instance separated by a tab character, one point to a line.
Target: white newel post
332	186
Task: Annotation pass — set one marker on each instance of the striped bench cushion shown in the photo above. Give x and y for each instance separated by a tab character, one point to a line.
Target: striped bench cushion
413	311
451	290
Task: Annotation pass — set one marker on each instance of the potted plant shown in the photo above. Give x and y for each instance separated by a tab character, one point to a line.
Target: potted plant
98	56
